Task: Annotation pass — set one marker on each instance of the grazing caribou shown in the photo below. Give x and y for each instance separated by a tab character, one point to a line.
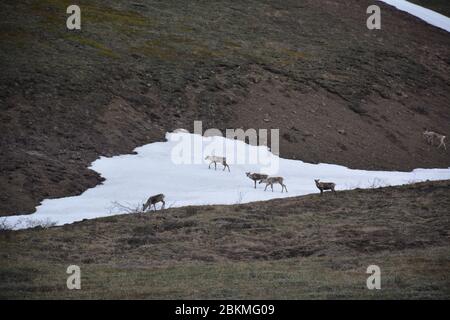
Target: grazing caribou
325	186
153	200
215	160
431	135
256	176
269	181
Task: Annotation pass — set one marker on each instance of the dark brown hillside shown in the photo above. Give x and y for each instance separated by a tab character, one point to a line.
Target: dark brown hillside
441	6
338	92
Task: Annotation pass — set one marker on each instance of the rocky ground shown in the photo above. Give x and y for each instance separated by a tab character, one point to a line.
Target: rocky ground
304	247
338	92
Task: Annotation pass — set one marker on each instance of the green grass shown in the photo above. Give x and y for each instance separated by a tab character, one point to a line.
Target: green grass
421	274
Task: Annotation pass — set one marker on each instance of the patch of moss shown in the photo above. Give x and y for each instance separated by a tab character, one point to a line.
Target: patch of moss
54	12
103	50
174	47
156	52
115	17
293	53
231	44
16	38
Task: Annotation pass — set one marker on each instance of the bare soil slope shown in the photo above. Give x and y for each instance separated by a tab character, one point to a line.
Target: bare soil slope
441	6
338	92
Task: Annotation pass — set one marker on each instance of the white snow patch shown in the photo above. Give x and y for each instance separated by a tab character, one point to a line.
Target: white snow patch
131	179
430	16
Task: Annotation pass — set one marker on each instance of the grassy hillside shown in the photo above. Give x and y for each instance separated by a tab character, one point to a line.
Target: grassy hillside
306	247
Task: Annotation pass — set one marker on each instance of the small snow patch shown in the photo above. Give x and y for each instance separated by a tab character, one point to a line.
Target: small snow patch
427	15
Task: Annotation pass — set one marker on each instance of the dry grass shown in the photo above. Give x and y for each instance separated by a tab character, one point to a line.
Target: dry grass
306	247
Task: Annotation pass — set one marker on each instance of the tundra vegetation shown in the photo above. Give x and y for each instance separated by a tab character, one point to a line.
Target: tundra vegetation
295	248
